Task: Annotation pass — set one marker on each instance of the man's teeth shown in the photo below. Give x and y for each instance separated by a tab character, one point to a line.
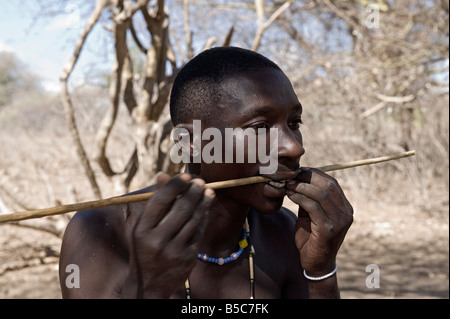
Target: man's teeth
277	184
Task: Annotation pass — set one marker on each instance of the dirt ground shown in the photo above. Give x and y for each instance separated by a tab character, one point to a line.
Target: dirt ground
411	250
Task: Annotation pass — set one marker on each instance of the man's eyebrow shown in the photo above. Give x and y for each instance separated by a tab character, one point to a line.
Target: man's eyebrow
298	107
260	111
264	110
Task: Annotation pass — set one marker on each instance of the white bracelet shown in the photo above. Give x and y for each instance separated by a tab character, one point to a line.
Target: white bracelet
321	277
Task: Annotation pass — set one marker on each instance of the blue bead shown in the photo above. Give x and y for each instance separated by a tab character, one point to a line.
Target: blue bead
233	256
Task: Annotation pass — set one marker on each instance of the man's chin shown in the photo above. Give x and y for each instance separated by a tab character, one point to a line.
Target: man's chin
269	205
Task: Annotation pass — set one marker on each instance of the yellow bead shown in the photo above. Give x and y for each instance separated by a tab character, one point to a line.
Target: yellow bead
243	243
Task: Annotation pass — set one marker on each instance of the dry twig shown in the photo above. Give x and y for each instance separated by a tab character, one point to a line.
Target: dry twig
67	101
142	197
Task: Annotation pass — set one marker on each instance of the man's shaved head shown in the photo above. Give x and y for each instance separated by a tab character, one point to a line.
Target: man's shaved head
196	89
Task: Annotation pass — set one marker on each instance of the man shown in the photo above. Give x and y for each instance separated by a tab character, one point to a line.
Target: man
187	240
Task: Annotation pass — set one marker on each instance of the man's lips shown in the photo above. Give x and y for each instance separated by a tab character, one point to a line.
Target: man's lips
272	190
282	176
280	184
279	179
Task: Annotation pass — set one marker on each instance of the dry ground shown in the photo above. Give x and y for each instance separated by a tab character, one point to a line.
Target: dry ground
412	253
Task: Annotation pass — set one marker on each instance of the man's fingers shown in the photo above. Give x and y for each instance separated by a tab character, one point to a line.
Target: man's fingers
321	188
326	185
160	203
183	208
192	231
308	207
162	179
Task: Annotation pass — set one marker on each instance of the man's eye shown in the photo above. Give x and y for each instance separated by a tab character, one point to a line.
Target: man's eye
295	124
258	126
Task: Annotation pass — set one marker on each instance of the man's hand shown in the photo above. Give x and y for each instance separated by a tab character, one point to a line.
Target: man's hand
166	235
324	216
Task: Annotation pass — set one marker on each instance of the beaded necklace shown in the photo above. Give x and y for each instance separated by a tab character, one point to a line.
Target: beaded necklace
243	243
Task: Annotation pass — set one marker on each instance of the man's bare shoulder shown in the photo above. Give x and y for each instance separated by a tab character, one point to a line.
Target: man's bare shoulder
95	223
96	241
104	223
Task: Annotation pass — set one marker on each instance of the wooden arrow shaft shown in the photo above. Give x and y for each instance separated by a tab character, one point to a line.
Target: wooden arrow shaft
145	196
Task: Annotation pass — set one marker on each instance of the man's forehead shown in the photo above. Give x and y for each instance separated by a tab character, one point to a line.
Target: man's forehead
265	83
241	86
254	77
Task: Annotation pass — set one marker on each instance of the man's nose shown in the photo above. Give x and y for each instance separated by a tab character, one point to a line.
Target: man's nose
290	144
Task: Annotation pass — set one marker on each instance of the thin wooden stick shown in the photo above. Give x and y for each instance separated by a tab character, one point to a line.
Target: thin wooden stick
142	197
368	161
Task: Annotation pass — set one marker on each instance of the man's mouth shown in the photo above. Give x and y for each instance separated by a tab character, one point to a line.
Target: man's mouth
280	179
279	184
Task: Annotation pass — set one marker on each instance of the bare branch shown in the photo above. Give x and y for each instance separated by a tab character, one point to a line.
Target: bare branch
262	26
259	7
99	6
14	199
385	100
171	55
227	40
115	90
277	13
155	69
187	30
129	10
395	99
127	75
358	28
136	39
209	43
47	227
373	109
67	102
131	168
259	4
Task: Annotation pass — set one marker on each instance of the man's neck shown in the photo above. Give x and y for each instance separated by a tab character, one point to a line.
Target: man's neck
224	228
225	222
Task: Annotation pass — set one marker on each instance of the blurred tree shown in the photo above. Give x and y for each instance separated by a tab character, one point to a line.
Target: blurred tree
143	85
373	76
15	78
380	62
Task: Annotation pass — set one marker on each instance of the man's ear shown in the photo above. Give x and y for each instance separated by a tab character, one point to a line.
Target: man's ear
183	137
